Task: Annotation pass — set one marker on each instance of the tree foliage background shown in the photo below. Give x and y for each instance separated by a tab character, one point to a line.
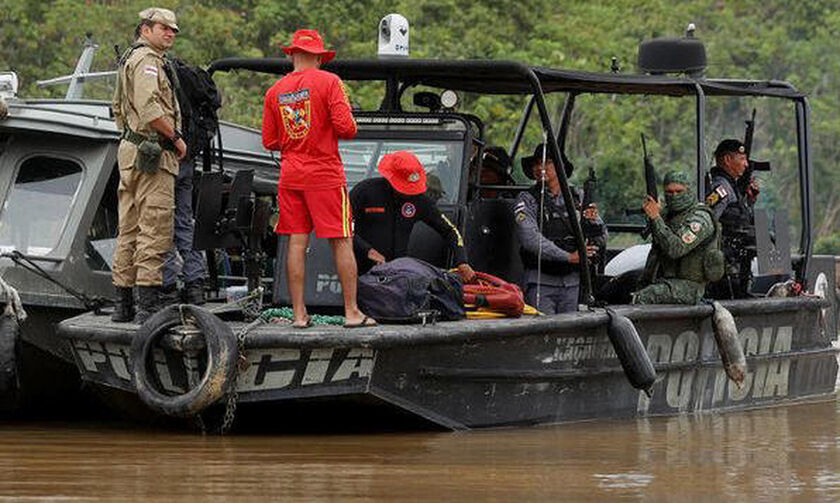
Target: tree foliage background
761	39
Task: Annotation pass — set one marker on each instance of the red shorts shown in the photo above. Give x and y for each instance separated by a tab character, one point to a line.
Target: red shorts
327	210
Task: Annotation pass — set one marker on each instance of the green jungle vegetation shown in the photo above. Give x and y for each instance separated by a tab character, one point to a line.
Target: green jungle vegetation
767	39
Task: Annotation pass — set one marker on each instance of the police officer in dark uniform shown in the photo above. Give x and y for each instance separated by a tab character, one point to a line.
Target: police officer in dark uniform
732	202
549	251
386	209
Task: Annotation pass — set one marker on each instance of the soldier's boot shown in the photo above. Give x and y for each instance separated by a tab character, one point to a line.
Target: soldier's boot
193	292
148	303
124	309
169	295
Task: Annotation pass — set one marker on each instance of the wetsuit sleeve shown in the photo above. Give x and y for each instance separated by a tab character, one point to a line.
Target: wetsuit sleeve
676	243
341	114
436	220
147	97
360	246
270	133
528	230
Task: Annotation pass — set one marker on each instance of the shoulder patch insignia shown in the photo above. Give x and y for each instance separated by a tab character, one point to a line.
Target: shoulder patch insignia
721	191
688	237
712	199
150	70
695	226
520	216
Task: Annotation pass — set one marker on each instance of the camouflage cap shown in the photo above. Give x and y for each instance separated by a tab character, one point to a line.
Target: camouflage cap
676	177
160	15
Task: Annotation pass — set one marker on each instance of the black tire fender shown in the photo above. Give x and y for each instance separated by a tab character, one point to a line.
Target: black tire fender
9	378
218	378
632	354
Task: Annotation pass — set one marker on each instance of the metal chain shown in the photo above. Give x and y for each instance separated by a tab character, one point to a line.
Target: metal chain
241	366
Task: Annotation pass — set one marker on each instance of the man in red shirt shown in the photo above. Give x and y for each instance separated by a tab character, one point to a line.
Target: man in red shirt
305	114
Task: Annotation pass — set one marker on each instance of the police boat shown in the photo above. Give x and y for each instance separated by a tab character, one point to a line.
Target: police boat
224	360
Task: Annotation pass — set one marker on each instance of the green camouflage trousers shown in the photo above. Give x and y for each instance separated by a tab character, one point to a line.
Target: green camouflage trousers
670	291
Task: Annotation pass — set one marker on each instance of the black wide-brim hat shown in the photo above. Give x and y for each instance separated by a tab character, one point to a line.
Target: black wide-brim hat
529	161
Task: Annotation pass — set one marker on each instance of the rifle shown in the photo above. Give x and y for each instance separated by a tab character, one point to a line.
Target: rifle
752	165
590	229
650	173
650	186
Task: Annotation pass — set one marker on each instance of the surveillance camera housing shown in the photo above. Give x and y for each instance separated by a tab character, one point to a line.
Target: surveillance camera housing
393	37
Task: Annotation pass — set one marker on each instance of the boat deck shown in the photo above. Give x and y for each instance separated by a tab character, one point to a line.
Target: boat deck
90	326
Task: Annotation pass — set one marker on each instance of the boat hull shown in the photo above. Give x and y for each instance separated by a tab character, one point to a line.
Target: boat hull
480	374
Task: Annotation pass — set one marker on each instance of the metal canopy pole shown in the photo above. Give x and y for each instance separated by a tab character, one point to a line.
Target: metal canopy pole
803	111
391	101
520	129
565	119
700	136
568	202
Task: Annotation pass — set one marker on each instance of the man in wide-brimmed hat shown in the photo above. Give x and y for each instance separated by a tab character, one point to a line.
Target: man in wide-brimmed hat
547	245
305	114
386	209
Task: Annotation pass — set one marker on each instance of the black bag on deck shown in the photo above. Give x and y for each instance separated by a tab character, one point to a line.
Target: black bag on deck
401	290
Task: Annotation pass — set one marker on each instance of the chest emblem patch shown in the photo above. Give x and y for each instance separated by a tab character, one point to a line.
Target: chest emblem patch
688	237
695	226
408	210
295	111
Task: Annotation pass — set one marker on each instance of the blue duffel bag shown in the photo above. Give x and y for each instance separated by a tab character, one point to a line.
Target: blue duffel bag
409	290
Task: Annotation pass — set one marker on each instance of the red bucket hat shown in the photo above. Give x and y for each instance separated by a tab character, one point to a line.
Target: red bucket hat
309	41
404	172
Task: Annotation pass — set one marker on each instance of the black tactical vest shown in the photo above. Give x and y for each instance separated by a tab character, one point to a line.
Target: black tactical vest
737	218
557	229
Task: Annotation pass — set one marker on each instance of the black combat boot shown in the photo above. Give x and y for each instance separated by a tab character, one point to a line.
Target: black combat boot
148	303
168	295
193	292
124	308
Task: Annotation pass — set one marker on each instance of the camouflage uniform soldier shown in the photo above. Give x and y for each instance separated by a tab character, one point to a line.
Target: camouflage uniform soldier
685	254
146	111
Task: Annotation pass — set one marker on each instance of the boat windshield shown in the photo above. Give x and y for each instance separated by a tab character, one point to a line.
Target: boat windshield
38	205
441	158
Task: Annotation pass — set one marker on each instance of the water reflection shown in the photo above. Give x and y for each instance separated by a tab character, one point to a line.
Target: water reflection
781	454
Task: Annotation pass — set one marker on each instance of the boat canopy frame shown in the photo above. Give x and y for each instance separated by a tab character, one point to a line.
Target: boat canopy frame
514	78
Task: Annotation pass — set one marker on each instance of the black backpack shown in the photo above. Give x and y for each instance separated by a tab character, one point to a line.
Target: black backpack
199	99
408	290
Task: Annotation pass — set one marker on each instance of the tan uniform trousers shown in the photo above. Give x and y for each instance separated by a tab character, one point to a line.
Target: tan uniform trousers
146	213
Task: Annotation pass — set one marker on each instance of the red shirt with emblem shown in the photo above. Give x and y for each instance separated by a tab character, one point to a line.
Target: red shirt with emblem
305	114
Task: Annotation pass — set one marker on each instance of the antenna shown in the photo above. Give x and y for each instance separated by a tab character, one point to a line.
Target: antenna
81	74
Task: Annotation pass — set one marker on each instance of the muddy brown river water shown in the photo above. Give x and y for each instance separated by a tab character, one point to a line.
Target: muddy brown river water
782	454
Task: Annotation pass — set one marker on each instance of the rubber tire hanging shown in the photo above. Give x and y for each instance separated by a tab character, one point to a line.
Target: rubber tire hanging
218	378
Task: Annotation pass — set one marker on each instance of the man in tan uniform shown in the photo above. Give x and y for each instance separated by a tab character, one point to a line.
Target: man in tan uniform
146	111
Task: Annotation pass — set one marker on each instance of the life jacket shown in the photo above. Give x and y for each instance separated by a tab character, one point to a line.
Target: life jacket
489	293
557	229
